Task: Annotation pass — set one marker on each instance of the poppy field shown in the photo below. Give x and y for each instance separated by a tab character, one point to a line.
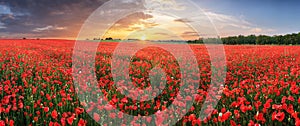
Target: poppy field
37	88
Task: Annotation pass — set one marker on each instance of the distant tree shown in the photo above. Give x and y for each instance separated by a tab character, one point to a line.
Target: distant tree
198	41
298	38
110	38
241	39
279	40
294	39
251	39
289	39
96	39
260	40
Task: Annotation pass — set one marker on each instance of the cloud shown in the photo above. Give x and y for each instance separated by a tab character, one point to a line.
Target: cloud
2	25
227	20
60	28
64	18
127	1
25	17
134	22
6	35
7	17
4	9
230	25
256	30
190	33
139	17
164	5
47	28
260	30
182	20
162	33
42	29
57	13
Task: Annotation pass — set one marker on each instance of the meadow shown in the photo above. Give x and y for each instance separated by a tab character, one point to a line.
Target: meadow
37	88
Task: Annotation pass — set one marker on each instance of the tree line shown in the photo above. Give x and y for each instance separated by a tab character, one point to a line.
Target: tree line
289	39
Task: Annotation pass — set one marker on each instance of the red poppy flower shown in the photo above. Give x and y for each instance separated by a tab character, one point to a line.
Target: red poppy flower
291	98
251	123
278	116
11	122
120	115
260	117
78	111
192	117
51	123
232	123
224	117
148	119
56	124
159	119
2	123
96	117
21	105
46	109
223	110
267	105
112	115
243	108
54	114
70	120
81	122
297	123
295	115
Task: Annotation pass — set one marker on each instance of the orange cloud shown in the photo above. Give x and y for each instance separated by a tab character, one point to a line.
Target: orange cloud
154	26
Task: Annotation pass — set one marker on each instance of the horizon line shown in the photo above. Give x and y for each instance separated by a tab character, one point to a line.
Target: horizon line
37	38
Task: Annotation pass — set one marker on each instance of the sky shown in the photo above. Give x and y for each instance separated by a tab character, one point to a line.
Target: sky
63	19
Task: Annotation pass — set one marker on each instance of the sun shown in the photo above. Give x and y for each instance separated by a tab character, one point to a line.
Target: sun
143	37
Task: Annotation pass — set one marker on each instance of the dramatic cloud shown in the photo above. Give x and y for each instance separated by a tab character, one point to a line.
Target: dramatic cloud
132	23
64	18
135	21
39	18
